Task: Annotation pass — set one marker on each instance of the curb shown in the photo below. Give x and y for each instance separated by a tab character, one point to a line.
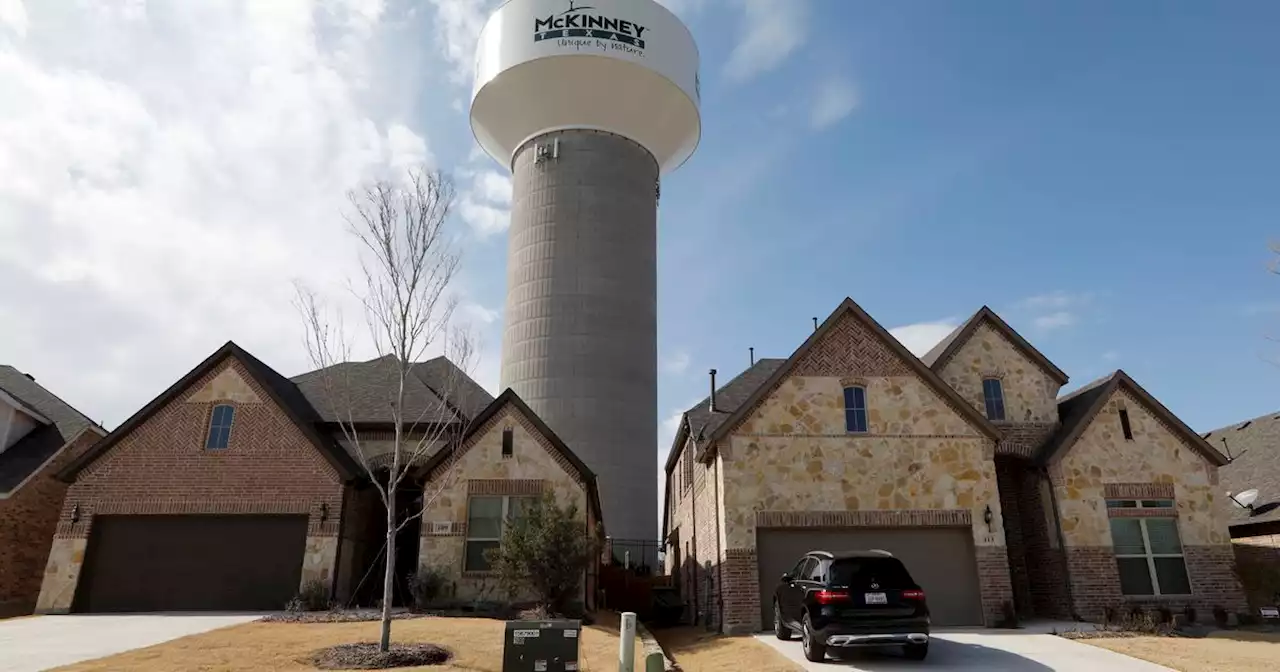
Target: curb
653	649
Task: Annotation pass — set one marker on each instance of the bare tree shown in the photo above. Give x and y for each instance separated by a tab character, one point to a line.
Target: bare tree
408	262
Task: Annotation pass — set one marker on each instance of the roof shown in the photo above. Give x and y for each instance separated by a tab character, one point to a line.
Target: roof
1254	446
283	392
942	352
366	392
1077	409
446	380
702	421
60	423
477	425
849	307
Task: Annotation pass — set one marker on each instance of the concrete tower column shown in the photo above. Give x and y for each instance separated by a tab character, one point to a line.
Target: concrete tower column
580	337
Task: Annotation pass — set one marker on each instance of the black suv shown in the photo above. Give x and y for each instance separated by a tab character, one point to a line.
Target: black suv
857	598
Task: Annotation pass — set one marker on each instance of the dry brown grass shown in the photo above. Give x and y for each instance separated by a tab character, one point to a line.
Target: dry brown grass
697	650
1225	651
476	644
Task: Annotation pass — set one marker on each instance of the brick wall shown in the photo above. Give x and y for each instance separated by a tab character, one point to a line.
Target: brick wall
1009	478
28	518
1046	565
1258	560
1095	582
741	591
162	467
993	581
1023	439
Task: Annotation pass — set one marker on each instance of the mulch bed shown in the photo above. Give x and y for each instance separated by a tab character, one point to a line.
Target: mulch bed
366	656
338	616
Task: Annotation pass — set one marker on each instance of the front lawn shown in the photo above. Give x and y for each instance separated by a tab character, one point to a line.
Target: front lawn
697	650
476	644
1224	651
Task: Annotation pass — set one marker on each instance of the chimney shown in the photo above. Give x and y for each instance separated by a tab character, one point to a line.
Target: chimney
753	356
815	324
713	390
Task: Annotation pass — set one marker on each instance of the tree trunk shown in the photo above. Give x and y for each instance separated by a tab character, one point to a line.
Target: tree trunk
388	577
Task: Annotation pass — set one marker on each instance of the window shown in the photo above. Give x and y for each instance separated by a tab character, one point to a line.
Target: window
1149	556
855	409
220	427
1124	425
486	519
814	571
508	442
993	395
688	470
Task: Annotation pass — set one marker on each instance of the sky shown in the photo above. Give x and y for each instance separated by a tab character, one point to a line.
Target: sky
1103	175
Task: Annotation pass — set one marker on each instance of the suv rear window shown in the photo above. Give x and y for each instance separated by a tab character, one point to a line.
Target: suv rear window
856	572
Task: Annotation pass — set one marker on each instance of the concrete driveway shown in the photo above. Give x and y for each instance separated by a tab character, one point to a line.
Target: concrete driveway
44	642
979	649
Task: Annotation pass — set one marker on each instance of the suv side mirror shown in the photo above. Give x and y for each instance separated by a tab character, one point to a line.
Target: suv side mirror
786	577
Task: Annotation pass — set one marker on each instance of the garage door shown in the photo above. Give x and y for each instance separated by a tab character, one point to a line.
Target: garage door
941	560
191	563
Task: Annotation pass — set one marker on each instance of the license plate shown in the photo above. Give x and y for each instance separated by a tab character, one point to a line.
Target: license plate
876	598
1270	612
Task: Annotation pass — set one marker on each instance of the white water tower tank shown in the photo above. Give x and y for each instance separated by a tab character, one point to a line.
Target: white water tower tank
588	103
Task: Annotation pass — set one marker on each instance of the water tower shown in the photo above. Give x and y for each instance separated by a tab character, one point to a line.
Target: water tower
589	103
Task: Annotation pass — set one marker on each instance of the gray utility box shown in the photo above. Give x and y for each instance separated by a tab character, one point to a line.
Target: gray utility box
541	646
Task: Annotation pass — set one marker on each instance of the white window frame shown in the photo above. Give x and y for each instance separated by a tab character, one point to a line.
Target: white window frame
1151	556
506	516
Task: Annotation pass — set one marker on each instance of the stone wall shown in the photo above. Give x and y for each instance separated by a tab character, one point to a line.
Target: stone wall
480	469
1030	393
792	453
1159	459
162	467
28	518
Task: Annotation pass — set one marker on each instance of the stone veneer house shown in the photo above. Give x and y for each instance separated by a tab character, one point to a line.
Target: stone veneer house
1254	449
236	486
964	463
39	433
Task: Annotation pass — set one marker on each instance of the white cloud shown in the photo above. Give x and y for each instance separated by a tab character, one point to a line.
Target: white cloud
676	363
1055	320
170	169
921	337
458	27
14	15
484	202
479	313
771	30
835	99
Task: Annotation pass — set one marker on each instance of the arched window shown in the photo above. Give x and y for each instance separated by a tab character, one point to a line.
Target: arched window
220	427
855	408
993	395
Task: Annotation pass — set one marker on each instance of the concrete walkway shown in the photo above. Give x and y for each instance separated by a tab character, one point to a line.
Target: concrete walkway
979	649
44	642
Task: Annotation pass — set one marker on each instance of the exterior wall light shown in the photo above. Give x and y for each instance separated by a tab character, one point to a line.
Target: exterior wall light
987	517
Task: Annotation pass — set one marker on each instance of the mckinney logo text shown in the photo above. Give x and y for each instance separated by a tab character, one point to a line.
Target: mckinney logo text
575	23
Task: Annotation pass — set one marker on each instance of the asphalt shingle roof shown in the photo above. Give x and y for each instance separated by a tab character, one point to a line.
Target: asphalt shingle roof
33	450
729	397
1254	447
366	392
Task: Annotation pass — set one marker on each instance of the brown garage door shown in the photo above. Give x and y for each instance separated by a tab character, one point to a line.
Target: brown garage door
191	563
941	560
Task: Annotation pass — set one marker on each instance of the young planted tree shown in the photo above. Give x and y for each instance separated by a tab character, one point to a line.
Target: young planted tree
408	262
545	550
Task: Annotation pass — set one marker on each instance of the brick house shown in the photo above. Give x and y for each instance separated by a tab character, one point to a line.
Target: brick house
38	434
236	486
1058	507
1254	449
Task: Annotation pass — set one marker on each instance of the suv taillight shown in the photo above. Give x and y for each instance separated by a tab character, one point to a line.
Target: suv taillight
830	596
913	594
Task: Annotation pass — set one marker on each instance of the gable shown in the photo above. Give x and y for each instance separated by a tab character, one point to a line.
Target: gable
1030	392
538	454
851	348
226	386
277	397
166	451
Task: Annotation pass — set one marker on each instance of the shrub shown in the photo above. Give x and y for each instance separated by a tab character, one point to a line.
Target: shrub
314	596
1246	618
1136	613
1189	613
426	587
1220	616
1166	614
1110	615
546	552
